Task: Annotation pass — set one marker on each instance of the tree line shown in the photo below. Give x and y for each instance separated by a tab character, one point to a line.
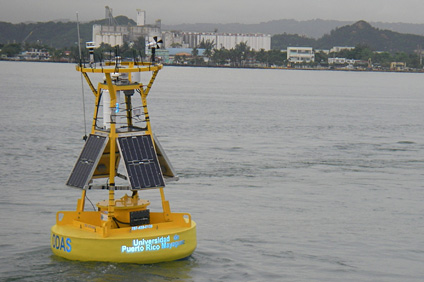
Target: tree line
379	59
243	56
239	56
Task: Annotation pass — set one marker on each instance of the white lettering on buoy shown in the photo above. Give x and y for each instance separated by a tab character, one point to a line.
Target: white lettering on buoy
156	244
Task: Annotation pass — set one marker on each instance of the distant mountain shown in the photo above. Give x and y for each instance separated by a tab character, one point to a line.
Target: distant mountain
310	28
359	33
282	41
377	39
417	29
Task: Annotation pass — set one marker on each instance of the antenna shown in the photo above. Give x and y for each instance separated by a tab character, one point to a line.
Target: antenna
82	80
79	39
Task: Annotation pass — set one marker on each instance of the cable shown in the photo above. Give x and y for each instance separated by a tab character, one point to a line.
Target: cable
121	222
94	208
116	222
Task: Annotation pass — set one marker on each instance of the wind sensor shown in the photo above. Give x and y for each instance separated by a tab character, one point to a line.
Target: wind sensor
153	45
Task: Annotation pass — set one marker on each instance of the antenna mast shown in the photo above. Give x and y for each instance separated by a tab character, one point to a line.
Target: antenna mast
82	80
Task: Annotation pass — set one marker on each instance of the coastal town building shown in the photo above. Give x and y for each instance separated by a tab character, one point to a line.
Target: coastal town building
337	61
228	41
397	66
337	49
182	55
35	54
325	51
349	63
300	54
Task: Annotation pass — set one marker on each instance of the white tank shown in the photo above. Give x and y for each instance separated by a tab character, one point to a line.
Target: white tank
141	17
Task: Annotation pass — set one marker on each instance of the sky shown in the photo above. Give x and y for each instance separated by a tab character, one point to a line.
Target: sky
215	11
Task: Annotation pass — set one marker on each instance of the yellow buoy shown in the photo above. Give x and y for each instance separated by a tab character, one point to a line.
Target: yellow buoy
124	229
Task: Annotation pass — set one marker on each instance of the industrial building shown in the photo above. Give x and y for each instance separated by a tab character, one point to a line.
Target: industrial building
114	34
220	40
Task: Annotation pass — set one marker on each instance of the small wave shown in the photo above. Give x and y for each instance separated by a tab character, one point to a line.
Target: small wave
406	142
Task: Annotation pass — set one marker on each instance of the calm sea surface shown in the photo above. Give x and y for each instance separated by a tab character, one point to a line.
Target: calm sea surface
290	175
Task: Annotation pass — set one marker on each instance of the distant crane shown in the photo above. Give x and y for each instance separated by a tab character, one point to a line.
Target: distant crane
109	16
23	41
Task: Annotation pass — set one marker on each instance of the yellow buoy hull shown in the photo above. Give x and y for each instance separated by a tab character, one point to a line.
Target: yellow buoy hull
142	245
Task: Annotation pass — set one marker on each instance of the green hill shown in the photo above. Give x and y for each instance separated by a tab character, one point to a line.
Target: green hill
359	33
362	33
54	34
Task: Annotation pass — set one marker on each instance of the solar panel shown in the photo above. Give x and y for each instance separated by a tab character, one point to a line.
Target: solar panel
141	162
87	161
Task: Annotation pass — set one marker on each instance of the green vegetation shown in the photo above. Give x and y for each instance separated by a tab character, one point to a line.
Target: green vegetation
54	34
240	56
14	49
135	50
383	59
282	41
11	50
243	56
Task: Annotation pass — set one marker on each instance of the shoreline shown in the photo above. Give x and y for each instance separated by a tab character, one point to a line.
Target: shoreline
243	67
299	69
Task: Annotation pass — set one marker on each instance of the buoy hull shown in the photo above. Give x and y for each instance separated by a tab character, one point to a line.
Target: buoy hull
137	246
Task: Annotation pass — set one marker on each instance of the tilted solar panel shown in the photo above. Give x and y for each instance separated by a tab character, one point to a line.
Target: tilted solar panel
141	162
87	161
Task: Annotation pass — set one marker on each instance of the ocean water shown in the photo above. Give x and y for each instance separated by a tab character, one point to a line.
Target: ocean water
290	175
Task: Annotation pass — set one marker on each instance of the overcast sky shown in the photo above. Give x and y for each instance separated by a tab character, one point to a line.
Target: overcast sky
216	11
